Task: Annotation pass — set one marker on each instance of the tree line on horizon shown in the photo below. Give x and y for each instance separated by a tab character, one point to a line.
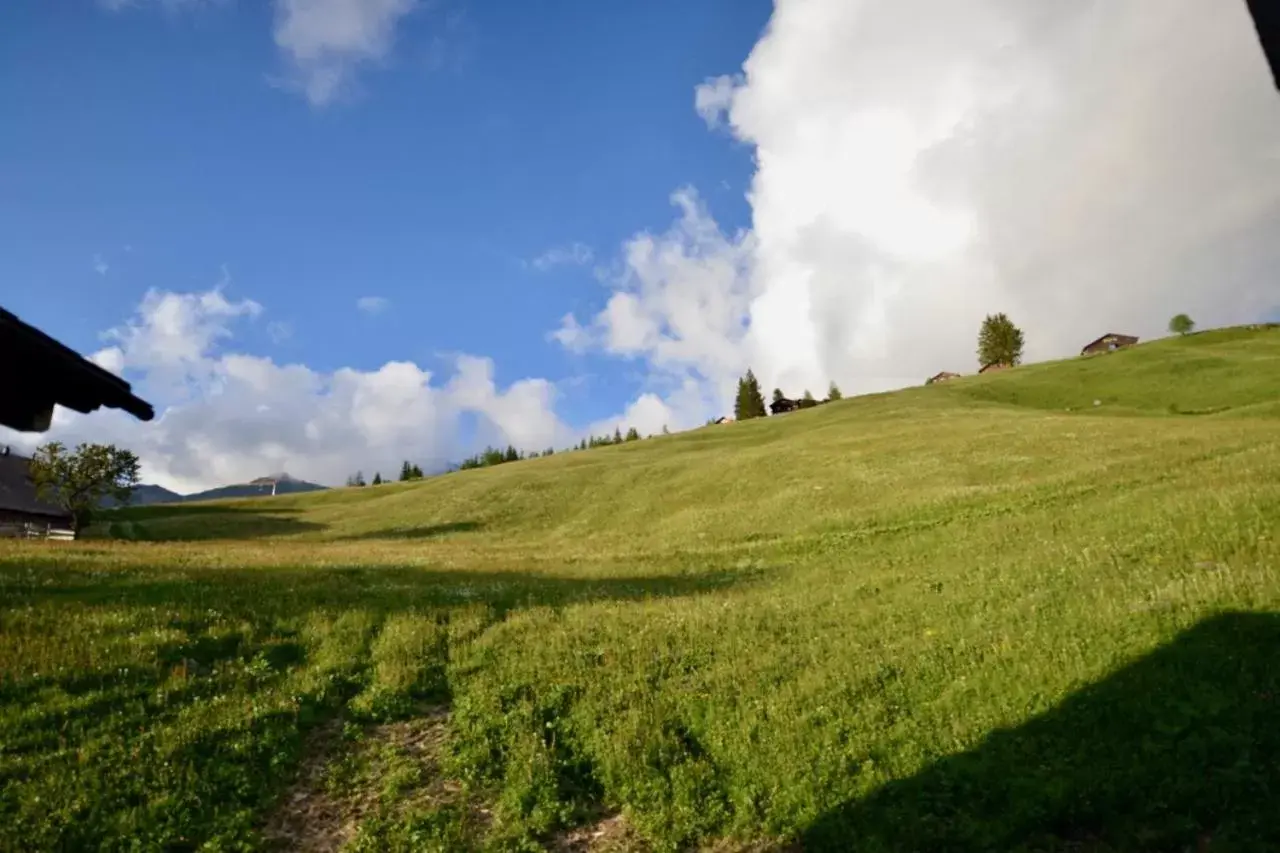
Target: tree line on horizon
491	456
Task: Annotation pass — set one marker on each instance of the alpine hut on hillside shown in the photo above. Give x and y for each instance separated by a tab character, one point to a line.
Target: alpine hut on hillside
993	366
941	377
1109	343
783	404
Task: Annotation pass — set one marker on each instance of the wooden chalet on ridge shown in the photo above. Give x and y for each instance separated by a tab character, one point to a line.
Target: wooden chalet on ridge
1108	343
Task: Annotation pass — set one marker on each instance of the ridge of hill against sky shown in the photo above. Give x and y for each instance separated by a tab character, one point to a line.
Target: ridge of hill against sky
325	236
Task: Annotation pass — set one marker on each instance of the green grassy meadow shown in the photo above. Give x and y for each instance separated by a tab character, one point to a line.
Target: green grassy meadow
981	615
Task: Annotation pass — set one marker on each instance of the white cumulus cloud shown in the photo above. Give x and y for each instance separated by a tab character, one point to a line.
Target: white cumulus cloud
1083	167
325	42
225	416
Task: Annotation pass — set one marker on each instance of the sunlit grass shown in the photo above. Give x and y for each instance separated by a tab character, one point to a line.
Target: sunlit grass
738	633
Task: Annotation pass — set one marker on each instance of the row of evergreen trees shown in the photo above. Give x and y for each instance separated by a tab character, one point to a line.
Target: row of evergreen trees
749	402
496	456
617	438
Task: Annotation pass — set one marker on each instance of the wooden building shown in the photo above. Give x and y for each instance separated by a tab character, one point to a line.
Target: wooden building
941	377
22	513
994	366
1108	343
779	406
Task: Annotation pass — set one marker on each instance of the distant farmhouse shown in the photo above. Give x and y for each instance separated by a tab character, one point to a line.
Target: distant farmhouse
724	420
994	366
783	404
1108	343
22	513
941	377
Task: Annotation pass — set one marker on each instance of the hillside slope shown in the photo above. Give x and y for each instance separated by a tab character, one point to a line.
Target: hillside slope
880	457
958	617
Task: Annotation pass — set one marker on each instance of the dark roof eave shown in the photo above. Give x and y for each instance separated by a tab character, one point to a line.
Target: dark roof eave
74	381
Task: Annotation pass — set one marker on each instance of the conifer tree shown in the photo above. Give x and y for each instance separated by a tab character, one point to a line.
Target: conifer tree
754	399
633	434
377	478
749	402
406	472
778	395
833	393
617	435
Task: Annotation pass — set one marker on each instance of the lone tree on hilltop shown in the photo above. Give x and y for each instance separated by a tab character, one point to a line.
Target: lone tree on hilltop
1181	324
999	341
749	402
78	480
833	393
377	478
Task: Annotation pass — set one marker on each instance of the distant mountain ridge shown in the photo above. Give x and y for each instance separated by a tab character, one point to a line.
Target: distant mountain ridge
146	493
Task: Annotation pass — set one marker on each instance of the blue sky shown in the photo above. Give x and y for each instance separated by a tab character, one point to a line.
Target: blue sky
151	140
329	235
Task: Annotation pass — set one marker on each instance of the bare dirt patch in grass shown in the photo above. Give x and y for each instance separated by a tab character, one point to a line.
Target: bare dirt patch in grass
610	834
353	773
308	819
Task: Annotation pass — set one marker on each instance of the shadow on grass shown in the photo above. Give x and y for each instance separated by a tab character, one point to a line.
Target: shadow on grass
1178	751
429	531
179	523
284	591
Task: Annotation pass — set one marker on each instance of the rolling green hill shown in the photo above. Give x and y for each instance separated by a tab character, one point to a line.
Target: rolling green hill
985	614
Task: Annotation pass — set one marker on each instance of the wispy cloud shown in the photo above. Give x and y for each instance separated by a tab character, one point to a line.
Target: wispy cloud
324	41
373	304
279	331
99	265
575	254
167	5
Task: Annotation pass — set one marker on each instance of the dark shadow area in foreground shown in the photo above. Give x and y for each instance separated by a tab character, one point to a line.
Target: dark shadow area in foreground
427	531
1178	751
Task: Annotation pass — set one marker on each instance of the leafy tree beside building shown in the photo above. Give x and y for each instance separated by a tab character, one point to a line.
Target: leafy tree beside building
78	480
999	341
